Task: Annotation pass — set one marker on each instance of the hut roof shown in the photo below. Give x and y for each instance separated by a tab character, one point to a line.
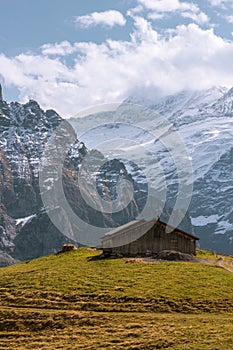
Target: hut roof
143	226
125	227
177	230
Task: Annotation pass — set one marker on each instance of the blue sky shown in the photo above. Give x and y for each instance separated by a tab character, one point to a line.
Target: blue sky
70	54
26	25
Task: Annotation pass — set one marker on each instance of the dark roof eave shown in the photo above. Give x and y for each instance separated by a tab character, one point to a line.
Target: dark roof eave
179	231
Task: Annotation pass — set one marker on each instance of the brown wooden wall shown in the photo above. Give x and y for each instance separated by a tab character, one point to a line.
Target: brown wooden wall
156	240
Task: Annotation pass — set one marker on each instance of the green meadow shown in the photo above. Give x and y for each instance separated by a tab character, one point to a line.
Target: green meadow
77	301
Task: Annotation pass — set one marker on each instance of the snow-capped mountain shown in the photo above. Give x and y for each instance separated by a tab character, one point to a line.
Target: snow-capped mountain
204	121
206	125
132	143
24	131
26	230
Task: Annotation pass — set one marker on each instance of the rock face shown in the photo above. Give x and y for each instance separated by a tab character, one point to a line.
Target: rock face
204	121
213	206
25	228
24	131
38	237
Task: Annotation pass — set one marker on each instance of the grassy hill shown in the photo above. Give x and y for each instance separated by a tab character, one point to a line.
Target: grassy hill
76	301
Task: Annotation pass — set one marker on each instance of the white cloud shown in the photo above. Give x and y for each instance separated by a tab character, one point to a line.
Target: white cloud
107	18
135	10
188	57
144	31
60	49
168	5
200	18
159	8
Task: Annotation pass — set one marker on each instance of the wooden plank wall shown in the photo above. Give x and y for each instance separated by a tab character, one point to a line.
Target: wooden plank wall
156	240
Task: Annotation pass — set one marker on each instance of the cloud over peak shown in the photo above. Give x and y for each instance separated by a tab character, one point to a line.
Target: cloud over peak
69	76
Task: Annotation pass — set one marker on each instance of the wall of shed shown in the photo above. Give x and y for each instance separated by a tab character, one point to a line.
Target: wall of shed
156	240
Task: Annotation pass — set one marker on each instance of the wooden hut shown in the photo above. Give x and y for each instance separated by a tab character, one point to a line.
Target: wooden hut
140	237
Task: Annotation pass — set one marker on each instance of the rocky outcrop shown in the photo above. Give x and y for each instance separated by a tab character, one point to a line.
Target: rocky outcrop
7	231
6	259
203	119
68	248
38	237
25	229
172	255
24	131
212	206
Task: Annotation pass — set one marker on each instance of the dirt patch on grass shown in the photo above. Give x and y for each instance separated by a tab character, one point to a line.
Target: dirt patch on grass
134	261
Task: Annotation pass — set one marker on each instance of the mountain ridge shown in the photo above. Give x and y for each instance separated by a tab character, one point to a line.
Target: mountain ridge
25	131
204	120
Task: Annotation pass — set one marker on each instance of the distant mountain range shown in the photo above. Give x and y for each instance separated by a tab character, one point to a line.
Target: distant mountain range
203	119
26	230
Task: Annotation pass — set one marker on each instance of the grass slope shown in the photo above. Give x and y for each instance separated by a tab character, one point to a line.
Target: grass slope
73	301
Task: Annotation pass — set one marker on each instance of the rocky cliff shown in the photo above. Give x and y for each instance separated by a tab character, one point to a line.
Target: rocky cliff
25	228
